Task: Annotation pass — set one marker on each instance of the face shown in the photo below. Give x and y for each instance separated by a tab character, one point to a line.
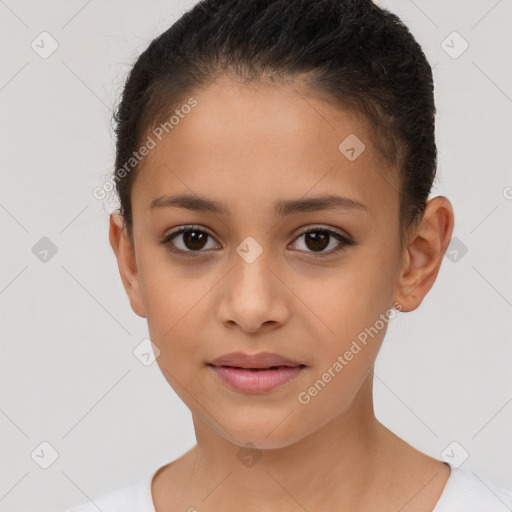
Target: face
246	277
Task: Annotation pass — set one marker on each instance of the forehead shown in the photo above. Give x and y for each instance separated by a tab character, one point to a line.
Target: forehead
261	140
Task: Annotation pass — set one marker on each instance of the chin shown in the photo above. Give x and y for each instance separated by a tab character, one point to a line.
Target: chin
264	435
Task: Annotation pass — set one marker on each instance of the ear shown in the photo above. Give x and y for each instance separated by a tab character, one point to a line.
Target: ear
424	253
125	254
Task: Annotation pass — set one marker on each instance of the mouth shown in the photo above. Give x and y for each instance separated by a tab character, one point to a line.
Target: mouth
256	373
280	367
257	380
258	361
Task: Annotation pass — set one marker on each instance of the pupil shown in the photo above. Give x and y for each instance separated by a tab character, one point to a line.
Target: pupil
317	237
315	240
192	238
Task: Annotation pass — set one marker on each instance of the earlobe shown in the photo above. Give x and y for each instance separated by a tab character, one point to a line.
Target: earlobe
126	262
424	253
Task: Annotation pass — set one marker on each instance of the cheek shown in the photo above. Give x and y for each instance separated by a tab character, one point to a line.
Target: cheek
171	292
176	299
348	315
351	297
354	322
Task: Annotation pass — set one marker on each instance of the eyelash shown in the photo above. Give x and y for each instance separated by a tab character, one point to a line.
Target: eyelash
344	241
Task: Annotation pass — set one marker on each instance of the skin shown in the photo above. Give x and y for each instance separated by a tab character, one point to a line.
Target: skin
248	146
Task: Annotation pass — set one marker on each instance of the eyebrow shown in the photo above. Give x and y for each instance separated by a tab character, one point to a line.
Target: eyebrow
282	208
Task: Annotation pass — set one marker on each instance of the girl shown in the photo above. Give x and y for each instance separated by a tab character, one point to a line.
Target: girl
274	164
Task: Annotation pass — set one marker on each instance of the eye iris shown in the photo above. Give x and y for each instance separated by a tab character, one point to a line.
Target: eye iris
315	240
191	238
318	238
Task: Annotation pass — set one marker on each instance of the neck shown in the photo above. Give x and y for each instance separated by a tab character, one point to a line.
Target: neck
351	463
341	459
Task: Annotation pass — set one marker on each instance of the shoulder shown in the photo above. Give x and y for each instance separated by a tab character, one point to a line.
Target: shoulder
135	497
467	492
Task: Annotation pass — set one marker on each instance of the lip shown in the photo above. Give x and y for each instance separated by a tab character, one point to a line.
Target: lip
255	373
253	361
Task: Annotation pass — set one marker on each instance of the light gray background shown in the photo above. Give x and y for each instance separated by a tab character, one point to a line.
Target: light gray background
68	373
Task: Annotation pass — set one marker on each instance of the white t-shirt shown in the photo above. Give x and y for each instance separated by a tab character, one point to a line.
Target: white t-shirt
463	492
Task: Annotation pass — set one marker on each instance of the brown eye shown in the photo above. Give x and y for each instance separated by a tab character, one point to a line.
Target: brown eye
316	240
194	240
189	239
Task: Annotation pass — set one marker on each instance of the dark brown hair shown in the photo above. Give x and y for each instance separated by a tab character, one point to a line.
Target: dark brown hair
356	54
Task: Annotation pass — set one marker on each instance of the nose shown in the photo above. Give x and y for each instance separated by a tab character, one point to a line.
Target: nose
254	297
